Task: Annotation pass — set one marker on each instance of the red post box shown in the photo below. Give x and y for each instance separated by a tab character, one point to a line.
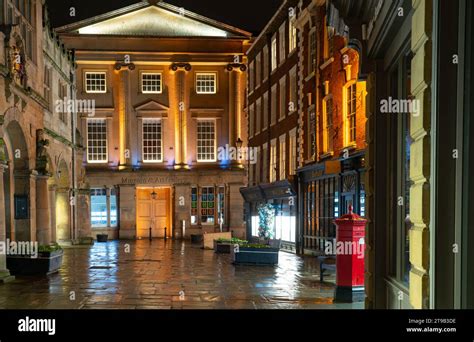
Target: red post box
350	251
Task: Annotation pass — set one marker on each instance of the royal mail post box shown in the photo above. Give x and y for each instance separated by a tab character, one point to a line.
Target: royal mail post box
350	252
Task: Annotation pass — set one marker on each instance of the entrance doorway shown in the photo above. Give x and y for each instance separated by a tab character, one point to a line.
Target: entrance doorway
153	211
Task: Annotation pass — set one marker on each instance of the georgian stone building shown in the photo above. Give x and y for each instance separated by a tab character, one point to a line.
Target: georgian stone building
164	92
35	139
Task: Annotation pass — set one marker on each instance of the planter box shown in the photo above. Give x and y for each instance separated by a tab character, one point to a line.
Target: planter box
209	238
45	263
195	238
102	237
256	256
223	247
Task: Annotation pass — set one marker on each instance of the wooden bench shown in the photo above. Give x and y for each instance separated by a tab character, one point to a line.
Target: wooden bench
326	263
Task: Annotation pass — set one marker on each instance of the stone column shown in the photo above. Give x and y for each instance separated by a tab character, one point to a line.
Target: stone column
43	214
235	106
52	203
4	272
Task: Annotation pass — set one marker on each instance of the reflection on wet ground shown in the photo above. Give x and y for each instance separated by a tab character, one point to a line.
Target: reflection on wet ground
170	275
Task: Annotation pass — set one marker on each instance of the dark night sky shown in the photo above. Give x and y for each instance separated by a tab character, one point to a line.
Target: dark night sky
250	15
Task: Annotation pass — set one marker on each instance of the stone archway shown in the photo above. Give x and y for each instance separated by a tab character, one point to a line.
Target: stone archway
17	184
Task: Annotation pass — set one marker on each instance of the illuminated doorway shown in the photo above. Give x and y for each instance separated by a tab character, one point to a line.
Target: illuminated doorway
153	211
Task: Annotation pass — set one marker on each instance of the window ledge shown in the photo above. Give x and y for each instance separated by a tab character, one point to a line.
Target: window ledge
310	76
326	155
326	63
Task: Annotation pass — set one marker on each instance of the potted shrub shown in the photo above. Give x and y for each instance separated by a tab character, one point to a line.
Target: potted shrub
226	245
255	253
48	260
102	237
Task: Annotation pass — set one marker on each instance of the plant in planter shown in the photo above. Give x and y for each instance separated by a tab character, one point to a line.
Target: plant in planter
266	215
255	253
48	260
226	245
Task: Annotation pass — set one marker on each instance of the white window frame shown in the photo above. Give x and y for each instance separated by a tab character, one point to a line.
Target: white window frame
143	85
282	42
292	36
205	160
149	121
101	161
274	53
347	129
282	156
273	160
206	74
95	91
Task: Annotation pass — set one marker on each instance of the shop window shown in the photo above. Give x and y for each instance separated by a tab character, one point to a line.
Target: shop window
221	205
207	205
113	208
194	205
98	208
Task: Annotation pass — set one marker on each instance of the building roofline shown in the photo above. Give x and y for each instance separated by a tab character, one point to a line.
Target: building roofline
142	5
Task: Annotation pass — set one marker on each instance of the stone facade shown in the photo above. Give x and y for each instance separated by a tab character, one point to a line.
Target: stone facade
187	46
36	144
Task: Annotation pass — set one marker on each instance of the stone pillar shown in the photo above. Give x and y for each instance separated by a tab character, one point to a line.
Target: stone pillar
420	150
83	214
235	105
182	210
4	272
43	211
128	217
52	204
236	210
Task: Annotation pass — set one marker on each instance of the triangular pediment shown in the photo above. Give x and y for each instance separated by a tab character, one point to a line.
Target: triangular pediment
151	106
160	20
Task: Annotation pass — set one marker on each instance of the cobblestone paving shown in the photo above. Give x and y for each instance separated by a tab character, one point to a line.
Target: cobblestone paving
170	275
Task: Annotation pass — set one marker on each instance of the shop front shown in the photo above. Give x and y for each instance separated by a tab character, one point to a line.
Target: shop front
282	195
326	190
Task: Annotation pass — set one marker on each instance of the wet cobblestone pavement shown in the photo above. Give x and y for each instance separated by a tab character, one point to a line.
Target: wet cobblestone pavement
170	275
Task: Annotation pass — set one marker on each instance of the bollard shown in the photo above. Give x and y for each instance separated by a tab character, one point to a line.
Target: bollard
165	234
149	235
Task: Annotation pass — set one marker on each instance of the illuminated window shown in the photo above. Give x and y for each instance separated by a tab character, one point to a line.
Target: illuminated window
292	37
258	114
265	62
152	140
258	70
96	140
98	207
273	109
327	124
206	83
265	163
274	53
151	83
194	205
282	40
206	141
293	91
283	103
292	152
251	120
113	208
351	97
95	82
221	205
282	157
207	205
265	111
273	161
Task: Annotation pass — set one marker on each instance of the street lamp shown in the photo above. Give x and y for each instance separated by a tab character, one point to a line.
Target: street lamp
239	143
153	194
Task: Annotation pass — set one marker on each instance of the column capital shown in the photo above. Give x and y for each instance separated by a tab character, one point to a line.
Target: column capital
179	66
119	66
236	66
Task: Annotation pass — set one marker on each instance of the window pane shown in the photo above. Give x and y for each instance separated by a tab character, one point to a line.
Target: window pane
98	208
113	208
151	83
206	83
152	140
206	140
95	82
